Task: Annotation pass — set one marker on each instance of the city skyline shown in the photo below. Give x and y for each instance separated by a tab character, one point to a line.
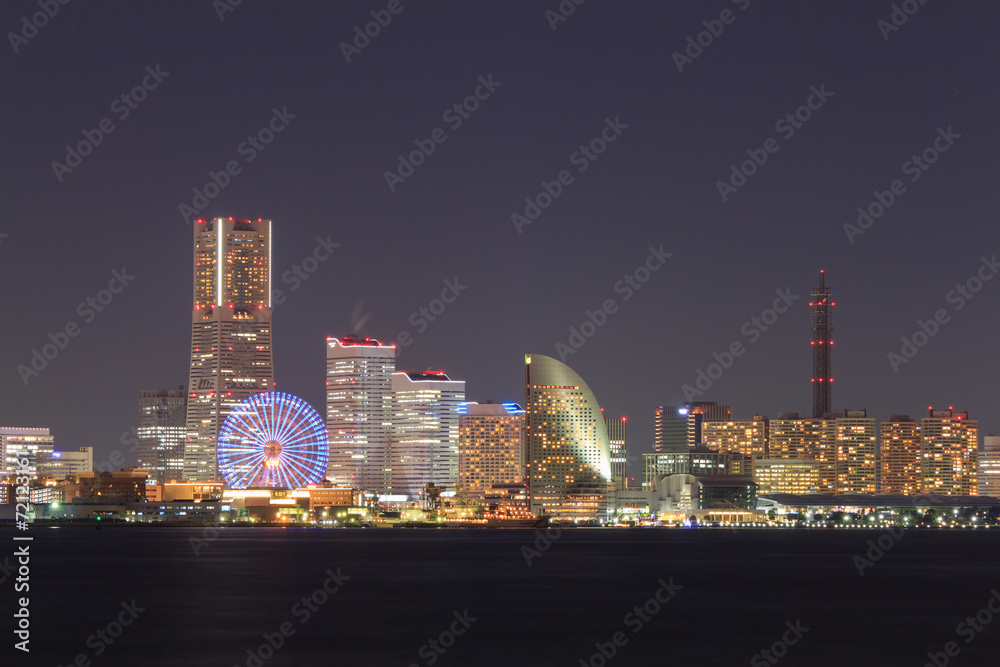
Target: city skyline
449	301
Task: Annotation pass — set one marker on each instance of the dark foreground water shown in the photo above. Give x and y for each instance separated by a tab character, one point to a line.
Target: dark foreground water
400	588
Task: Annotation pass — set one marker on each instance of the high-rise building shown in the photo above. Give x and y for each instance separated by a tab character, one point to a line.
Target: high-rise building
162	431
901	460
618	451
796	476
489	447
423	447
64	464
821	309
700	413
989	467
746	436
856	471
359	411
669	429
949	453
230	331
566	442
34	444
814	439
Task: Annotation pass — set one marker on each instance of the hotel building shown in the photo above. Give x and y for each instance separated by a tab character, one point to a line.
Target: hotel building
949	454
568	453
989	467
746	436
230	332
901	460
813	439
489	447
359	411
856	471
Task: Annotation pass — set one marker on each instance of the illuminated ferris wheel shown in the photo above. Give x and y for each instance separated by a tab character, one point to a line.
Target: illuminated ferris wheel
272	439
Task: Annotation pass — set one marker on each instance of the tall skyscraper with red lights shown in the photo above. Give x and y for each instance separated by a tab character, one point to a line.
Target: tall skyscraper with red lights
821	307
230	332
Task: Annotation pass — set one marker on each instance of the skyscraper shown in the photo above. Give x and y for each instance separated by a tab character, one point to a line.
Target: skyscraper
821	308
856	471
698	413
423	448
746	436
568	453
811	439
230	331
161	433
669	429
618	451
359	411
949	453
489	447
901	460
989	467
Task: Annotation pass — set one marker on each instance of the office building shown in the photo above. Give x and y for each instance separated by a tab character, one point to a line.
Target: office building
33	444
821	311
64	464
423	447
796	476
814	439
230	332
901	460
619	453
700	413
989	467
161	431
359	411
568	453
949	453
695	461
669	429
746	436
856	471
489	447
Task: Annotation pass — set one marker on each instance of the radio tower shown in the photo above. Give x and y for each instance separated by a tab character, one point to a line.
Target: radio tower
821	308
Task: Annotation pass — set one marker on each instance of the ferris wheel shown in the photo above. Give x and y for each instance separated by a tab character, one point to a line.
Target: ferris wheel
272	439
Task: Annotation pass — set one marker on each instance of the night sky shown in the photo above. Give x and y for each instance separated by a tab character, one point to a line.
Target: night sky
551	92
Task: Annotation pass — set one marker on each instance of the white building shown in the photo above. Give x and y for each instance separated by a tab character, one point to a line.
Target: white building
489	447
64	464
989	467
359	411
33	444
423	446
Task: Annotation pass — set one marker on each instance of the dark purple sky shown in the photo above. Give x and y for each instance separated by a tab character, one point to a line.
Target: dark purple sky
656	184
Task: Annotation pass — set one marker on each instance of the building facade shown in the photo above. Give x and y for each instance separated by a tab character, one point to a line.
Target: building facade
567	447
901	459
64	464
489	447
231	355
949	453
423	448
856	468
669	429
746	436
989	467
814	439
619	451
162	431
359	411
34	444
796	476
